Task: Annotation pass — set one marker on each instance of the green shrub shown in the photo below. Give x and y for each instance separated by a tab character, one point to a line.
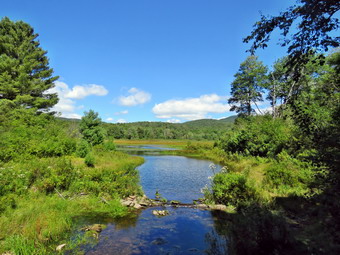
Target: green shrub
109	146
233	189
289	174
89	160
258	136
83	148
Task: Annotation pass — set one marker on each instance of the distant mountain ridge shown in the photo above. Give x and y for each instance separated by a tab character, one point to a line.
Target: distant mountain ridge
211	122
203	129
192	123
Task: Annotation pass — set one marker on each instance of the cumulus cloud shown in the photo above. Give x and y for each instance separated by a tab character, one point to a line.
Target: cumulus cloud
121	121
191	108
109	119
136	97
80	92
67	104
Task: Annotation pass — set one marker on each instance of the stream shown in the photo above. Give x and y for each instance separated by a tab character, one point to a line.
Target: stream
185	230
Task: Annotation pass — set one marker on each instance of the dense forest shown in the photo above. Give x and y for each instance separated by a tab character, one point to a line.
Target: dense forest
281	177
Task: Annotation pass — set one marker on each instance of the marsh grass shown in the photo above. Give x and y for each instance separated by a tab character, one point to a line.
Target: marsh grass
42	200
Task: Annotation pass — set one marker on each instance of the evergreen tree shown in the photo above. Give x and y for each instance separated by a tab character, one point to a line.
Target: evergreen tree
248	86
90	128
25	75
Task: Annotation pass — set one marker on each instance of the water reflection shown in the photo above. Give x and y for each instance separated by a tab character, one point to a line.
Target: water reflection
175	177
184	231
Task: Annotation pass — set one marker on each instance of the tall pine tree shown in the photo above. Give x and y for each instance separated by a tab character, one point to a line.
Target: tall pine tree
248	86
25	75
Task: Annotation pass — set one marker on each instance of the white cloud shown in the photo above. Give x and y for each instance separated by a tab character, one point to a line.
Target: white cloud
136	97
71	115
80	92
122	112
121	121
191	108
109	119
67	104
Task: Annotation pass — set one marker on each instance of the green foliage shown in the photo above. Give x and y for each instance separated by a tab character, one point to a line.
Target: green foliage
83	148
316	22
25	76
233	189
247	88
205	129
258	136
89	160
25	134
289	175
90	128
109	146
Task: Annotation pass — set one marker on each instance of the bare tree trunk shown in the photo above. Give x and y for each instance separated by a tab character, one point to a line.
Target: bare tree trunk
257	107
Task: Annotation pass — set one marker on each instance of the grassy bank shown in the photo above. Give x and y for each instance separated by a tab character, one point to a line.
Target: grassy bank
276	203
43	200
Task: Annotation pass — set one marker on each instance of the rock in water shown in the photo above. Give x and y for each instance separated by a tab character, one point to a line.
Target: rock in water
160	212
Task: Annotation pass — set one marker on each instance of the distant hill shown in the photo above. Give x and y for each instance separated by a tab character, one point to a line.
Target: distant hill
210	123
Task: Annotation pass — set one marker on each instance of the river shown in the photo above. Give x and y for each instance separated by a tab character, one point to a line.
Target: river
185	230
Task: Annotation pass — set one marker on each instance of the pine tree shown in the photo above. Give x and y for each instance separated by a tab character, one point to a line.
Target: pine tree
90	128
25	75
248	86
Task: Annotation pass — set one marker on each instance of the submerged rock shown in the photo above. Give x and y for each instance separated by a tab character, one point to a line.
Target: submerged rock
95	227
159	241
202	206
174	202
160	212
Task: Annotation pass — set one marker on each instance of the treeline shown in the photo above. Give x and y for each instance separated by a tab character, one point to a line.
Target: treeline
206	129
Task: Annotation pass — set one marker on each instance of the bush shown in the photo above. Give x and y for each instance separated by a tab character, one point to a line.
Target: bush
258	136
109	146
287	172
83	148
233	189
89	160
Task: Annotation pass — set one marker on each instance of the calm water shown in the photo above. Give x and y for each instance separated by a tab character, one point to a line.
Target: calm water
175	177
184	230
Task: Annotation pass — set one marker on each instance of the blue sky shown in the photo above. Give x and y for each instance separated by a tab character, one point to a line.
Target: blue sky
145	60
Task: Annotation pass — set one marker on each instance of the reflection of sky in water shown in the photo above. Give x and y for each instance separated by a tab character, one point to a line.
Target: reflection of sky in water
175	177
184	231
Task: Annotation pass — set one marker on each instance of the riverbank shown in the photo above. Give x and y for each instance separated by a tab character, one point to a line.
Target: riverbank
275	203
46	200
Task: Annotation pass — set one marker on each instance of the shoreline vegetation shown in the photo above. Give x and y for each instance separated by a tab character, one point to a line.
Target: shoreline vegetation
280	180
